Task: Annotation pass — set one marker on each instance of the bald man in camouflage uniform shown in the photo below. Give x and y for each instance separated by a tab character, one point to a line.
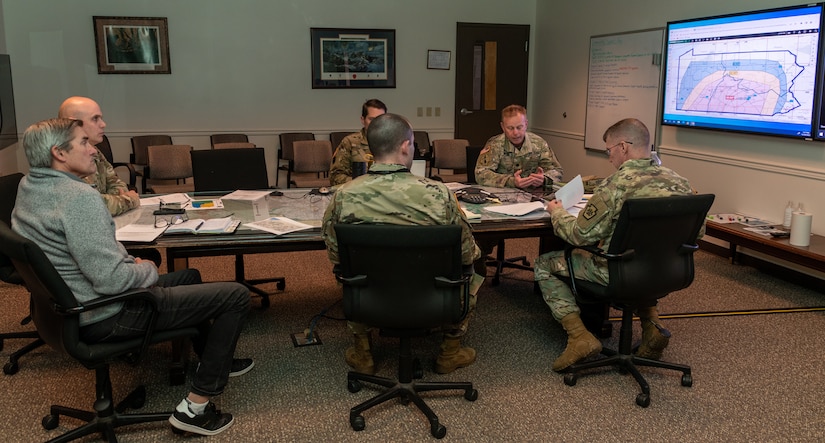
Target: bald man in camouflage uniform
628	148
354	147
517	158
390	194
115	193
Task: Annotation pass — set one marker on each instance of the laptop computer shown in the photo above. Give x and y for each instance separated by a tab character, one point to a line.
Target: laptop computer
229	169
419	168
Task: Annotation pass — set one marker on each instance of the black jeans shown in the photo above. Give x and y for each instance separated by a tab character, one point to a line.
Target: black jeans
218	310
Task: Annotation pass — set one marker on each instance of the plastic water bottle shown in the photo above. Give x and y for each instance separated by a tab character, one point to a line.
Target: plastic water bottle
786	223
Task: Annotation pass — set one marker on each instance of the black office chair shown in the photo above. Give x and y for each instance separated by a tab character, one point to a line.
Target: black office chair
227	170
405	280
650	255
8	274
56	314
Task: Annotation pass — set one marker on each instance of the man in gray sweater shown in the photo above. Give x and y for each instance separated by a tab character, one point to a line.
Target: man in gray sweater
67	218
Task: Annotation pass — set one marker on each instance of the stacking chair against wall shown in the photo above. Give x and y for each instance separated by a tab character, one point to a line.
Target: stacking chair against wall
8	274
335	138
170	162
227	170
407	281
286	153
650	255
227	138
233	145
56	314
450	154
140	154
312	159
106	149
423	149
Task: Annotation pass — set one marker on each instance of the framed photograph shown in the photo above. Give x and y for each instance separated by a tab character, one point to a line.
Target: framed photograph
353	58
438	59
132	45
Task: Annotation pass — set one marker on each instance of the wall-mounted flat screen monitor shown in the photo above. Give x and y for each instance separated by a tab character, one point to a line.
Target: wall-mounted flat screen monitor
751	72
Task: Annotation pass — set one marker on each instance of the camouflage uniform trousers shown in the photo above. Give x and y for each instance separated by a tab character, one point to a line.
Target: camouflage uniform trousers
556	293
453	331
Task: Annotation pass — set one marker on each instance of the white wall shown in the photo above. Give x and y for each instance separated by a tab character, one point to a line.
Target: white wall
754	175
237	66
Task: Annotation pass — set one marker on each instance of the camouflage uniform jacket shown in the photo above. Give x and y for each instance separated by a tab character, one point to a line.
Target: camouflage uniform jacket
499	160
109	185
390	194
597	221
353	148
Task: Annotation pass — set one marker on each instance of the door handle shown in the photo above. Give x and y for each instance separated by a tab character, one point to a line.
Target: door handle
465	111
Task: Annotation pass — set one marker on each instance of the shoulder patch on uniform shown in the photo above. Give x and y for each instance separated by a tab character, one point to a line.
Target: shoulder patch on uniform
485	150
595	210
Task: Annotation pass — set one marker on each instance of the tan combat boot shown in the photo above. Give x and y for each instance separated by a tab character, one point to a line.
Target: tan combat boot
359	356
453	356
580	343
654	335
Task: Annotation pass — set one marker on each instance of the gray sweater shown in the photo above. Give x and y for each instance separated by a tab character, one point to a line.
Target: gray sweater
68	220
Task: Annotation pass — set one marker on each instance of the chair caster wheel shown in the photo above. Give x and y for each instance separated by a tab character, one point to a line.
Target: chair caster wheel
471	394
438	430
403	400
357	423
687	380
354	386
50	421
10	368
570	379
264	302
643	400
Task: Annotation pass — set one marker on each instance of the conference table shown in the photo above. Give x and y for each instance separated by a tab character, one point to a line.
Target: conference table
306	206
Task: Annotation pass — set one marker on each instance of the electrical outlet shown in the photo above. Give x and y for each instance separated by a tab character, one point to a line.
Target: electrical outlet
304	339
420	112
438	111
429	111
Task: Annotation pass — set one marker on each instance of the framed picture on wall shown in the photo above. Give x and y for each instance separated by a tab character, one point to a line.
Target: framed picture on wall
352	58
132	45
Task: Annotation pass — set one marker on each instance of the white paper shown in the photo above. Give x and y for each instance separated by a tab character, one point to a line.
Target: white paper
516	209
571	193
246	195
455	186
470	214
278	225
138	233
168	198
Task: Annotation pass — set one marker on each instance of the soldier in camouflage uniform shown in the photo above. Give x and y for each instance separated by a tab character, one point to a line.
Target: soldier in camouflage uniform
628	148
517	158
354	147
390	194
115	193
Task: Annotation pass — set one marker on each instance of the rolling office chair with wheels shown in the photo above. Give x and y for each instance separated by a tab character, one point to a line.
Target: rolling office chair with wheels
650	255
227	170
405	280
8	274
56	314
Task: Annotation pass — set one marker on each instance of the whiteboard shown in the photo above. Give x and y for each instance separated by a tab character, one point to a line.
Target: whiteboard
623	81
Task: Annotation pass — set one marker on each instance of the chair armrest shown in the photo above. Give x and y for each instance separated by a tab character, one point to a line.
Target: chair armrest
356	280
134	294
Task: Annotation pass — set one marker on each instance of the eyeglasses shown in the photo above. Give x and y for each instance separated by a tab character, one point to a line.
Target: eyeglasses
607	150
162	221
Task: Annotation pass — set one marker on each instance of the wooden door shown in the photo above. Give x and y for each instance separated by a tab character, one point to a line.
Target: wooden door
491	73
